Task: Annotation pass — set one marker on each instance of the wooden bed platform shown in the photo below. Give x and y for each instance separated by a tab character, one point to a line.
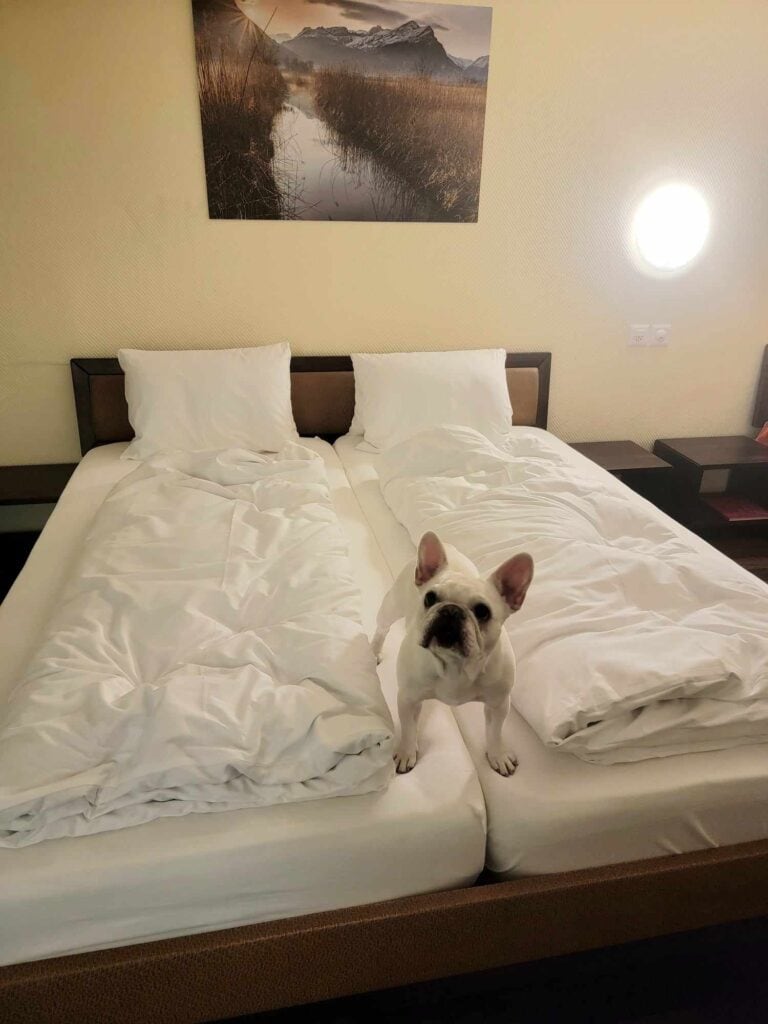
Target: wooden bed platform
245	970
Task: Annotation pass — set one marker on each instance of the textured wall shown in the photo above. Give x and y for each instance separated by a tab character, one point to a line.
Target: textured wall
106	240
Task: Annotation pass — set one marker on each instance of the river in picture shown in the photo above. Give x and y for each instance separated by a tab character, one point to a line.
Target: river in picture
323	180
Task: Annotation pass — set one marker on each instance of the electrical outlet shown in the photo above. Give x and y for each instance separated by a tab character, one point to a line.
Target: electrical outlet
659	334
639	335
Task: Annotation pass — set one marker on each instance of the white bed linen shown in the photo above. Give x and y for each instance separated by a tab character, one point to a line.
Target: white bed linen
207	654
635	641
209	871
559	813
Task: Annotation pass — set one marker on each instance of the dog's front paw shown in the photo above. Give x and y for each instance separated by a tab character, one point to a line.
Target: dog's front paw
502	762
376	645
405	760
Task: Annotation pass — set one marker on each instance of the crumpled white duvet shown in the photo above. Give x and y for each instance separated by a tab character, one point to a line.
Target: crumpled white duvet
636	639
206	655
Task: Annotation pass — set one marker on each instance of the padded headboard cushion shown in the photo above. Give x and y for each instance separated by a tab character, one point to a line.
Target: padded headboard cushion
322	392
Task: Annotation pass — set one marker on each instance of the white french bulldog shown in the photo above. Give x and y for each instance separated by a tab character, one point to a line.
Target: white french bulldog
454	648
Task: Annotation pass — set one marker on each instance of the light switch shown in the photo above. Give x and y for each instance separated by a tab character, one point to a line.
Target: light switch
639	334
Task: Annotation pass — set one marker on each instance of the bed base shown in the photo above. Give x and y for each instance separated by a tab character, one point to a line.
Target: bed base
301	960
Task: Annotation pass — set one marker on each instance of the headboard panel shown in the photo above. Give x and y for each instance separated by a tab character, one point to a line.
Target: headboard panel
322	392
760	415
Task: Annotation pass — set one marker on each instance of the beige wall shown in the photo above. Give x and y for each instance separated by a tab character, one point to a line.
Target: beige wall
106	239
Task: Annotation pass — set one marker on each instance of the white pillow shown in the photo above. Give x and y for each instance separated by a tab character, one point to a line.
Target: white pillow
400	394
210	399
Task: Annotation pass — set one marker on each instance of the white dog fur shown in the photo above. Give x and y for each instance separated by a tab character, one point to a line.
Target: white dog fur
455	648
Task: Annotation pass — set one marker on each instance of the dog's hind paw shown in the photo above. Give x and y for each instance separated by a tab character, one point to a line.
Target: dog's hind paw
502	763
405	760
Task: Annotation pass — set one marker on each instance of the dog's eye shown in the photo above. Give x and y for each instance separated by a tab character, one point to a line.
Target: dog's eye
430	598
482	612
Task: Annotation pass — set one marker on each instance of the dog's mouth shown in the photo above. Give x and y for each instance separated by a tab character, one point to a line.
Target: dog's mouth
448	630
455	644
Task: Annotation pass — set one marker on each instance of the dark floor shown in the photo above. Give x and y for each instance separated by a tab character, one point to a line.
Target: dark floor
14	549
714	976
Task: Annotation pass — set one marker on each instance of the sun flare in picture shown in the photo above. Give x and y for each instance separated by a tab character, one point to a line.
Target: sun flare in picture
342	110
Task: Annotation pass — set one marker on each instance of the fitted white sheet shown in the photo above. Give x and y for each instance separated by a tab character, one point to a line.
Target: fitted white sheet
559	813
209	871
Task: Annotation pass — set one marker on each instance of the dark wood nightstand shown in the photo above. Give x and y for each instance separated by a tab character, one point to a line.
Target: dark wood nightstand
26	485
634	465
745	499
735	521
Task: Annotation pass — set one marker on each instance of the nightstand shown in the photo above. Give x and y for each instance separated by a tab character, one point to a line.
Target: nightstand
26	485
745	499
736	520
633	465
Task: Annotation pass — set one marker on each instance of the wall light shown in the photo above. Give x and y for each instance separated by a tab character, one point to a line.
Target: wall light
670	227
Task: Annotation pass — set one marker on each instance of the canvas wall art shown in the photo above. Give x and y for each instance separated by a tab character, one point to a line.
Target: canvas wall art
339	110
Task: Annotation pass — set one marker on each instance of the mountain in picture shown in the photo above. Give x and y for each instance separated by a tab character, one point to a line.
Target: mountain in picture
478	69
342	110
408	49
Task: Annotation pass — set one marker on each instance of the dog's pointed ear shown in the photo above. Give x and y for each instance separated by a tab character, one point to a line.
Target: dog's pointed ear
431	558
512	580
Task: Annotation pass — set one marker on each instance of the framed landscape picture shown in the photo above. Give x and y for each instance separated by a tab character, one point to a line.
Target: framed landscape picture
342	110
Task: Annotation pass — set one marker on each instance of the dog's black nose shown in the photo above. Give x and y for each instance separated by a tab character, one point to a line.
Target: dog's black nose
451	611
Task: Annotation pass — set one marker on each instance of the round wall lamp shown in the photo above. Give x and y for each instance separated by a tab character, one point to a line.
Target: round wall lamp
669	228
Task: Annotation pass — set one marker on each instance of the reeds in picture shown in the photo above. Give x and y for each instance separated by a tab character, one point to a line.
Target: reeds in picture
375	113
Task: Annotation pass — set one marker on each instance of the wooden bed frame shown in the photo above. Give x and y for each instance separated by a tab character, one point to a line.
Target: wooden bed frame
259	967
760	414
322	395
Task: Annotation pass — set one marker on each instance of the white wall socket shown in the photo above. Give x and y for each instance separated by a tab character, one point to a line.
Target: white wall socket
660	334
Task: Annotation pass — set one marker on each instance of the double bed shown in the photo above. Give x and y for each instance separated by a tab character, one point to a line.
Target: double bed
206	916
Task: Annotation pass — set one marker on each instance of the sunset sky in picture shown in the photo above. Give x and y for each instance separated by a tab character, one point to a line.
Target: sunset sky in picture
463	31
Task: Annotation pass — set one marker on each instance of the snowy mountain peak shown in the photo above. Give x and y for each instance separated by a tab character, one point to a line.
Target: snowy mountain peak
409	33
400	50
372	38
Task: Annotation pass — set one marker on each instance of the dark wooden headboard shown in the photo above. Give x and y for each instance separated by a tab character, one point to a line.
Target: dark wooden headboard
322	393
760	415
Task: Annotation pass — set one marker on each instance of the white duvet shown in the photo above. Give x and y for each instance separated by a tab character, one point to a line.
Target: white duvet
637	639
207	654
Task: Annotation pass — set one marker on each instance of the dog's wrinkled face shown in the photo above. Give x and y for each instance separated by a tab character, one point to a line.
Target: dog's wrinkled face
461	615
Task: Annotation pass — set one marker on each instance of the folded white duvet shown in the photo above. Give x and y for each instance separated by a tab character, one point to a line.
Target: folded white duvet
637	639
207	654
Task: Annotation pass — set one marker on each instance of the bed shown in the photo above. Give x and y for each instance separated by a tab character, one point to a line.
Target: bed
561	813
184	875
354	948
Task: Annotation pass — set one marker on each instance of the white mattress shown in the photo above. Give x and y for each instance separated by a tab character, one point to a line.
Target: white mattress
178	876
559	813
